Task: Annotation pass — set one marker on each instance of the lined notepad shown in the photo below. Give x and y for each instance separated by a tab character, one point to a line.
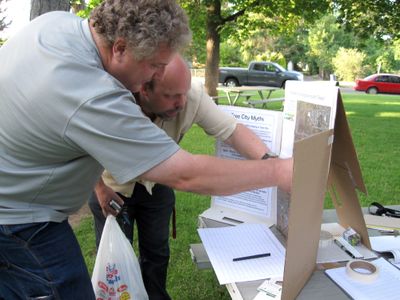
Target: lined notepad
386	286
225	243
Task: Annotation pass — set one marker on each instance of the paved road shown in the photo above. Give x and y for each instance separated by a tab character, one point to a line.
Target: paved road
347	90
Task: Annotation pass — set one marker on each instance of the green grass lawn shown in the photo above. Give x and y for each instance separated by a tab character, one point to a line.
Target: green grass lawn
375	125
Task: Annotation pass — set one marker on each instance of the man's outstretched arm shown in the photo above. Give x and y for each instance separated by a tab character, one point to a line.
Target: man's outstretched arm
210	175
247	143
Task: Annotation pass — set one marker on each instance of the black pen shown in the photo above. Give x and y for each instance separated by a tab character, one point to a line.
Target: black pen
251	256
344	248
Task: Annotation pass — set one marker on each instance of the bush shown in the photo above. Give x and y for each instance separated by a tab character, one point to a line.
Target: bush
230	55
272	56
348	64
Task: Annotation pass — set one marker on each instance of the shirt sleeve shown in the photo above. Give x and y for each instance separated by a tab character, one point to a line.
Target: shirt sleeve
112	129
214	121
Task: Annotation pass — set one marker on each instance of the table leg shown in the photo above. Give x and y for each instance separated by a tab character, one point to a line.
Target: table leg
268	96
236	98
261	94
228	96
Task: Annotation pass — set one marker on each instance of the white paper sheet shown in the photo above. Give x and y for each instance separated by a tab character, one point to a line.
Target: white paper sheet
266	124
225	243
386	286
387	244
310	107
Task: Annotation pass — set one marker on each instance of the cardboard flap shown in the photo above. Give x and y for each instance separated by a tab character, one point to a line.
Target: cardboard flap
345	176
343	150
311	167
344	197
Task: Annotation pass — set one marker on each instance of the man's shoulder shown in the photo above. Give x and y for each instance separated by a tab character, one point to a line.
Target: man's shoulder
197	94
56	16
197	86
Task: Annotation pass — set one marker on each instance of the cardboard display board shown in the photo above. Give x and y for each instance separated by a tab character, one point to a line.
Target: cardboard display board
345	177
315	169
339	172
311	167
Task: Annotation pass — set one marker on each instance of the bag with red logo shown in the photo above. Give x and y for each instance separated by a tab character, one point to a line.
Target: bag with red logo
116	274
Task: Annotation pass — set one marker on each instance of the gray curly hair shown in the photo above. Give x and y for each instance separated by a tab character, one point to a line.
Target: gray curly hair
144	24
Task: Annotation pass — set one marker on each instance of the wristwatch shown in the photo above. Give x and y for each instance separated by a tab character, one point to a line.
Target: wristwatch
269	155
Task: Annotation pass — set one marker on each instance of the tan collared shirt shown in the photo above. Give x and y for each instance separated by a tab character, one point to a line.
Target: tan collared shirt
200	109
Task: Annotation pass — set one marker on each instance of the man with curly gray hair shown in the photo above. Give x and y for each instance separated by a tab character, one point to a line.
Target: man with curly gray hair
144	24
66	100
144	27
67	112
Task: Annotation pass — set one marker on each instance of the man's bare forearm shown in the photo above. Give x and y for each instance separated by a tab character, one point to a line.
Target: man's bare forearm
215	176
247	143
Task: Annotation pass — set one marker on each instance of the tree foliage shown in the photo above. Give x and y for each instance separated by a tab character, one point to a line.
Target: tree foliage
294	46
234	32
89	6
196	52
231	54
3	22
77	6
387	60
396	49
238	19
324	40
377	18
348	64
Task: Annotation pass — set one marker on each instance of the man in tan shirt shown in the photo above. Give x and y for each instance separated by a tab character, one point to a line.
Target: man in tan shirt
174	104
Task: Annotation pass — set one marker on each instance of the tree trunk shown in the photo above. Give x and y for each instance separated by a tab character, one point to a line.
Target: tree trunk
320	72
213	43
39	7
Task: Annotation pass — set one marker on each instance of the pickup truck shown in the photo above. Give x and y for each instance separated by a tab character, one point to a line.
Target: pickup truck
258	73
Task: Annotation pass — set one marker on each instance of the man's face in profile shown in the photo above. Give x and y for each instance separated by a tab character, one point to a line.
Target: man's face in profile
167	97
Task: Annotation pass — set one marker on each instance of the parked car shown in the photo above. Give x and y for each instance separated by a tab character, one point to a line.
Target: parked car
258	73
379	83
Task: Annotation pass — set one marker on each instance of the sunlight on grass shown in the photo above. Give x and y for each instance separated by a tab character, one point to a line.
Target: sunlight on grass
373	102
381	99
388	114
391	103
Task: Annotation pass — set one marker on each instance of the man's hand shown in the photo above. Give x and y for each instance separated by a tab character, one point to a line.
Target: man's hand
104	195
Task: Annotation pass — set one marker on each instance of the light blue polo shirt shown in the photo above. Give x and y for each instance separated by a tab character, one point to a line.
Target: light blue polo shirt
63	119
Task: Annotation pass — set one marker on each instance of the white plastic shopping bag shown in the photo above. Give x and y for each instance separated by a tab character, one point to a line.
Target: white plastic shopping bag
116	274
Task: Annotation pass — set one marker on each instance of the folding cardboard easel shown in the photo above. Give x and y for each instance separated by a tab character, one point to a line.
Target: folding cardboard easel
319	160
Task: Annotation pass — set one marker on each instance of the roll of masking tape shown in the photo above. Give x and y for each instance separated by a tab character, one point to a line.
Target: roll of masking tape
325	239
362	271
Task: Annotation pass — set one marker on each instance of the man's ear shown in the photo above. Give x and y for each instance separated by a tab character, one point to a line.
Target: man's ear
144	91
119	49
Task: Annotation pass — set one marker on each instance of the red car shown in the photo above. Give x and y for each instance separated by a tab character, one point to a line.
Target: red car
379	83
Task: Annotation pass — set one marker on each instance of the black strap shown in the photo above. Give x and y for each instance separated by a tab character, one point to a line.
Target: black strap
378	209
174	223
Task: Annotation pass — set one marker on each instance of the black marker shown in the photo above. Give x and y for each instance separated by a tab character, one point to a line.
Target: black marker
252	256
344	248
